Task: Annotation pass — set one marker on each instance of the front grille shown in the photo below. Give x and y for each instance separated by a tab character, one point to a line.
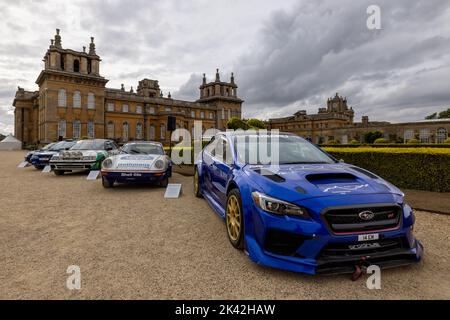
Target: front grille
356	249
347	220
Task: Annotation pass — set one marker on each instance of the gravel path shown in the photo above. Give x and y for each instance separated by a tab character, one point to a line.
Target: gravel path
132	243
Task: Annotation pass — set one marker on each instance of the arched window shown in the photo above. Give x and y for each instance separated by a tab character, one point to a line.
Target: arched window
152	132
76	129
162	132
62	128
77	99
441	135
110	130
76	65
125	131
424	135
90	129
61	98
139	131
91	100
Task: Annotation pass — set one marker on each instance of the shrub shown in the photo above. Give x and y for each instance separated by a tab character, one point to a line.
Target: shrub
354	142
413	141
381	141
370	137
331	142
413	168
447	141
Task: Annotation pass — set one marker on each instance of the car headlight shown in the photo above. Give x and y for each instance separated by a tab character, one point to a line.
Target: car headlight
160	164
107	163
277	206
55	157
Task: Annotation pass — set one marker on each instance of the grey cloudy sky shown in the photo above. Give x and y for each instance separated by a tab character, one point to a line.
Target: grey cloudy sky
287	55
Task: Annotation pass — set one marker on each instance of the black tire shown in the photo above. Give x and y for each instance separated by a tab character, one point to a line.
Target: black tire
59	172
197	191
39	167
107	183
164	182
234	224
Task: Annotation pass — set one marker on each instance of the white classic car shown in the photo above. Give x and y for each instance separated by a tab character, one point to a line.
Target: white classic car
137	162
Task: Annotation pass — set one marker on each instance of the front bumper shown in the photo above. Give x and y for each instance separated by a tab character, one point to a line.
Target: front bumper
40	161
309	246
73	165
135	176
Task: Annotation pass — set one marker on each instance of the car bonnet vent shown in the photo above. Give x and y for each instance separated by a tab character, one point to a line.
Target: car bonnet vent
269	175
325	178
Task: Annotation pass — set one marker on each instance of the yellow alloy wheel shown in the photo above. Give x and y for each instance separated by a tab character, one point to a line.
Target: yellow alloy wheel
233	218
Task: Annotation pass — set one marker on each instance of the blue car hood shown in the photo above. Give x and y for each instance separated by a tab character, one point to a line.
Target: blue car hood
302	181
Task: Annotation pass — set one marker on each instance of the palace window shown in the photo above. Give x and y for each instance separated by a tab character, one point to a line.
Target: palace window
110	106
441	135
424	135
61	98
408	135
139	131
192	114
91	101
152	132
62	128
125	131
90	129
162	133
211	115
76	129
77	99
223	114
138	109
76	65
202	115
168	109
151	110
110	130
124	108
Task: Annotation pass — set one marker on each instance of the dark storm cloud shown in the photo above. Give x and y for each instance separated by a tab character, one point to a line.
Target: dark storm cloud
304	55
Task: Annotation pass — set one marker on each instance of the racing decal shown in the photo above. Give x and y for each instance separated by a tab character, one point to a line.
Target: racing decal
343	189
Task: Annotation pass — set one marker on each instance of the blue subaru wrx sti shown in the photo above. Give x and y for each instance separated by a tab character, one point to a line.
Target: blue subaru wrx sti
306	211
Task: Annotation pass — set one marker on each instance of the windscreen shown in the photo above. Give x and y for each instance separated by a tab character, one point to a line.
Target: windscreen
280	149
143	148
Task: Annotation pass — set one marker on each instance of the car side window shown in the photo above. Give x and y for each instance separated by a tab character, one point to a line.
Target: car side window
211	147
223	151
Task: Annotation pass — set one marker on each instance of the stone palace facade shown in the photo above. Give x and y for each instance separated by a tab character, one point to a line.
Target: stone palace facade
74	102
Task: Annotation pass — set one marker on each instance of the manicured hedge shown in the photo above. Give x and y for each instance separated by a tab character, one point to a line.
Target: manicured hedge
411	168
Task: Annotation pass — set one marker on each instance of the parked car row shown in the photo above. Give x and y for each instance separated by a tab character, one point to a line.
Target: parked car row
308	212
134	162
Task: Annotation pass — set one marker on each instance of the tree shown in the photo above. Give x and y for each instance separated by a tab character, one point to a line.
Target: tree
256	124
236	123
442	115
371	136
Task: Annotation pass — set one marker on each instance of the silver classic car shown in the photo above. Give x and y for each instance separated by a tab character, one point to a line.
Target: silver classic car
85	155
137	162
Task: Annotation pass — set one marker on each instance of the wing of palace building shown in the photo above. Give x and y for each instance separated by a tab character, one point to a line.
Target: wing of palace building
74	102
335	123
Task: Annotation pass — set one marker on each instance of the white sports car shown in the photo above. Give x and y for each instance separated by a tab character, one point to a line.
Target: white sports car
137	162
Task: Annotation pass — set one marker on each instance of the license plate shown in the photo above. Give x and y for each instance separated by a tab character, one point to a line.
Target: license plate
368	237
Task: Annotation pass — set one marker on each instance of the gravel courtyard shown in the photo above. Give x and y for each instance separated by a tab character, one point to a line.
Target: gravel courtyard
131	243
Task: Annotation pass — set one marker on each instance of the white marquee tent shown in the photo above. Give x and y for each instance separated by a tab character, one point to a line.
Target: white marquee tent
10	143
